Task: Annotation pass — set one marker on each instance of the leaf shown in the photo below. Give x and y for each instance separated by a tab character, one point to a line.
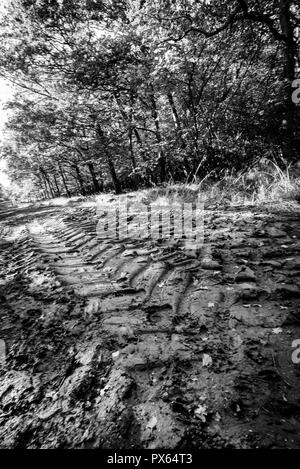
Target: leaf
201	413
206	360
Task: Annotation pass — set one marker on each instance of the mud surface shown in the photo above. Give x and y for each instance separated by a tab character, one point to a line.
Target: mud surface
138	344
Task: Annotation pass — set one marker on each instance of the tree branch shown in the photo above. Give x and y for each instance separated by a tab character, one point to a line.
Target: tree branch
260	18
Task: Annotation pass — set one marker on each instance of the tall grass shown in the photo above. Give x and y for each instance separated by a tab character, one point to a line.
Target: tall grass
264	182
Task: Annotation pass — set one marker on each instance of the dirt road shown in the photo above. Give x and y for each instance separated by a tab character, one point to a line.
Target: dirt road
137	344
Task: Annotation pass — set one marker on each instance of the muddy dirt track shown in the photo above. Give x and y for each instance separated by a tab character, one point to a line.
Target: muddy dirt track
138	344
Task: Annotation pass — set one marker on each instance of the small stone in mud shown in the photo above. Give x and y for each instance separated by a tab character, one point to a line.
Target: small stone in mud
247	291
272	263
152	423
76	331
275	232
125	332
292	264
288	291
246	274
208	264
131	348
115	355
86	357
48	413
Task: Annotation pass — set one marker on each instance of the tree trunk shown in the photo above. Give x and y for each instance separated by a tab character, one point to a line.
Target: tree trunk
132	156
110	164
128	123
47	181
137	136
155	116
56	185
289	69
44	183
79	179
179	130
64	180
50	187
192	109
114	177
94	178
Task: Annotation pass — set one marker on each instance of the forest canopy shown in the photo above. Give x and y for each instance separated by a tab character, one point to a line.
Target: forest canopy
119	94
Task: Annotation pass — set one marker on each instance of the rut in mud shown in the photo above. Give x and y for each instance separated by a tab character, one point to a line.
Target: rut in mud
140	344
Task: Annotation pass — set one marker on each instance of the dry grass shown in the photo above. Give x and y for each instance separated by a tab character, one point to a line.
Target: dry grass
265	183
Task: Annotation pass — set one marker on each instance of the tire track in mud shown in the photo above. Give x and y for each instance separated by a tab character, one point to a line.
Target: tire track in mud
139	290
170	314
178	334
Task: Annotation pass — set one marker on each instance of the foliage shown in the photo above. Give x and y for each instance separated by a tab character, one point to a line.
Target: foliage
129	93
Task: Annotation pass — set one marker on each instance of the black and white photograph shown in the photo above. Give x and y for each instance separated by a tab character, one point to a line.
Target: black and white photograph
149	227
